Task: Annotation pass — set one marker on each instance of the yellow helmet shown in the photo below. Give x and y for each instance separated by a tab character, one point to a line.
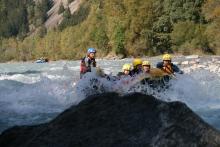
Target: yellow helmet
137	61
167	57
126	67
146	63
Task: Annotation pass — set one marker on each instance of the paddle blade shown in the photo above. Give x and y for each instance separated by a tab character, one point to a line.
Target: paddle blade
156	72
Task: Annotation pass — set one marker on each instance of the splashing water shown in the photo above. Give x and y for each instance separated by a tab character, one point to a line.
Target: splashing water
30	96
36	93
199	89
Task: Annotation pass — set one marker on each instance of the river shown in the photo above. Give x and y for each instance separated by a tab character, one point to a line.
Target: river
32	93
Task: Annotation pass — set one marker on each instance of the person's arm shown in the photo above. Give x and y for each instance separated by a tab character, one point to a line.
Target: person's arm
87	64
176	69
94	63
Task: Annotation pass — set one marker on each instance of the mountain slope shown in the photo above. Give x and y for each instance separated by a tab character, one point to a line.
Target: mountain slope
54	19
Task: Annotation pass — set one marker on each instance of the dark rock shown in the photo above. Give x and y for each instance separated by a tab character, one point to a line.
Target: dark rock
111	120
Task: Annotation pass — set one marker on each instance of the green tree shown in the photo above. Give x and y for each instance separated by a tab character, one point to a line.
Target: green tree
70	1
211	10
67	13
119	40
100	38
78	17
61	9
42	31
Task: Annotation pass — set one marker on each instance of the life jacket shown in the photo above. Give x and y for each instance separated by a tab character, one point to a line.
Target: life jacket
86	64
168	69
121	75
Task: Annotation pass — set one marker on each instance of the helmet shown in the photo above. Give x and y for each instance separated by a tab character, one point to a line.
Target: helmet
91	50
137	61
146	63
167	57
126	67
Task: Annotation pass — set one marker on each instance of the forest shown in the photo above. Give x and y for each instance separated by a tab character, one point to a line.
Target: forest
125	27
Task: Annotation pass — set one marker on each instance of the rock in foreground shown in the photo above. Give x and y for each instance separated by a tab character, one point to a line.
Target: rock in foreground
110	120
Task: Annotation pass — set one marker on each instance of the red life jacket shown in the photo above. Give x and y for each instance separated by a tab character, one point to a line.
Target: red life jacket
86	64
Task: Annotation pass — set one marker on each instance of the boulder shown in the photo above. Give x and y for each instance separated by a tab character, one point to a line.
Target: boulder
213	68
185	63
192	57
177	63
193	62
202	66
217	62
112	120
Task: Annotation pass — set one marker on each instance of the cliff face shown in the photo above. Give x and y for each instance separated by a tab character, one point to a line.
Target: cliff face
109	119
54	19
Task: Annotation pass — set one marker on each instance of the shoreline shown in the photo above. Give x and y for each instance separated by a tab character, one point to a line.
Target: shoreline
187	57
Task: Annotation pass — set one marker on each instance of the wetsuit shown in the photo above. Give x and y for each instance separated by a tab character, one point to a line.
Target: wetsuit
136	71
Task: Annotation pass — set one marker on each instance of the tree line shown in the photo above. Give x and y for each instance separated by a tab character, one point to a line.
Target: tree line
126	27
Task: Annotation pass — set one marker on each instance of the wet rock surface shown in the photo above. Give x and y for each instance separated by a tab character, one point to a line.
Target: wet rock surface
112	120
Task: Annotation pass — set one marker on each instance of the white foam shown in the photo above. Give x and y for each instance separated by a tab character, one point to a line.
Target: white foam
54	87
21	78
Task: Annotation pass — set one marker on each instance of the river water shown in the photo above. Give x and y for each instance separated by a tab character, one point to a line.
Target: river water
33	93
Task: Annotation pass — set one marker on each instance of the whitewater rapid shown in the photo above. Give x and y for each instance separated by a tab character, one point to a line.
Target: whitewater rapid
33	93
